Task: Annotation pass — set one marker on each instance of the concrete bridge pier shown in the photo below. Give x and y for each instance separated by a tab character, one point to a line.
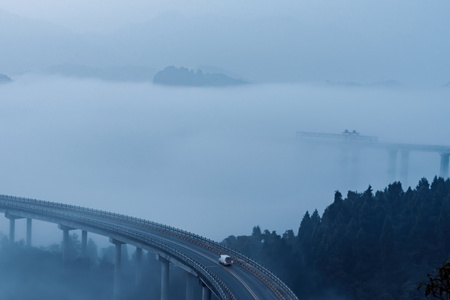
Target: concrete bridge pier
117	269
164	277
404	167
190	285
66	241
444	165
29	229
12	226
12	229
139	268
392	167
206	292
83	243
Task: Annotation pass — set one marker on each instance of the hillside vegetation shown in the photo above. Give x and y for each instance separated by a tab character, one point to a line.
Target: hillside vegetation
366	246
185	77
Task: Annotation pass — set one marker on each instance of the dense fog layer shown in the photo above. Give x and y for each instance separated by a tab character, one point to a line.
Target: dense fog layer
213	161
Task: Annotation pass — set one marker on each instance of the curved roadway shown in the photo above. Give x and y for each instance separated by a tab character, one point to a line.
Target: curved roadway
244	280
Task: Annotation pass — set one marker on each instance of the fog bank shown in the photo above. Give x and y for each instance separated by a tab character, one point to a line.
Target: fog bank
212	161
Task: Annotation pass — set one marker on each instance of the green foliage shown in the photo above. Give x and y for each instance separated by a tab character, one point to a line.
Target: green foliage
366	246
184	77
439	284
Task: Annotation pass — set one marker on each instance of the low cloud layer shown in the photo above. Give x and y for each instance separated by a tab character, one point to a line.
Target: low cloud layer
212	161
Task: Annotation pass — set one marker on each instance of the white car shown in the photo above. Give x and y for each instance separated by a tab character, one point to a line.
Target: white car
225	260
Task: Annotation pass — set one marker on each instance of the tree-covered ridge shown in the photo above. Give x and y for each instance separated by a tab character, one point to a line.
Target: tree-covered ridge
366	246
185	77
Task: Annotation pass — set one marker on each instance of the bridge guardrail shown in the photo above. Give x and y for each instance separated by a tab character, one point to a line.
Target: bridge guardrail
158	226
210	279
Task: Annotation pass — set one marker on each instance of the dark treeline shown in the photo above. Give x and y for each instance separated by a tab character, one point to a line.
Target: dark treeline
184	77
367	246
30	273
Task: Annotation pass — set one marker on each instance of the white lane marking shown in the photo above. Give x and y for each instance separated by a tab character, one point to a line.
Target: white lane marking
209	258
244	284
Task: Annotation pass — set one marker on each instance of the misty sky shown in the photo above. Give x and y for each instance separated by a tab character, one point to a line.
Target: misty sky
376	16
261	41
226	158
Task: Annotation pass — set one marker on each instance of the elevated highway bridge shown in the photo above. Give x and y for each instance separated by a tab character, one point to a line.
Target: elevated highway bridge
197	255
353	139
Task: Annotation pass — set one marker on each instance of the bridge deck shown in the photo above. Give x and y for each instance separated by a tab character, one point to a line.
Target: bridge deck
357	140
198	255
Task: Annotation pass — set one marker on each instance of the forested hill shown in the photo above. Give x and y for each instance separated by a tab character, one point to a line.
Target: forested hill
367	246
184	77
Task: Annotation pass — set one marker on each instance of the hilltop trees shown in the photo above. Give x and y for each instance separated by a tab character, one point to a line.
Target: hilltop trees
367	246
439	283
174	76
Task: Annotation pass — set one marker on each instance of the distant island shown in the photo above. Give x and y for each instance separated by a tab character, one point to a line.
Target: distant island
4	79
184	77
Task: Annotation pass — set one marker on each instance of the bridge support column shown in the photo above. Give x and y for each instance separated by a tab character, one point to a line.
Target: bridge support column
66	241
139	271
164	277
206	292
12	226
83	243
190	284
117	269
392	167
12	230
404	167
444	165
29	229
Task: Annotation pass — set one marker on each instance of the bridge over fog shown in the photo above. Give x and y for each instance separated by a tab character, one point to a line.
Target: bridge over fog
196	255
349	139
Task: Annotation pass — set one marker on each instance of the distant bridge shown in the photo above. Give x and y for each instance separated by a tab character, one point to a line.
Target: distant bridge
354	139
197	255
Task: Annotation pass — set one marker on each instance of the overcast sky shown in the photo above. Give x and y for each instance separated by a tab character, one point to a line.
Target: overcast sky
100	15
339	40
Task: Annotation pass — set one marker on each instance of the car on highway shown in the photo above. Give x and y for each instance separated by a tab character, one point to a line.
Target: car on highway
225	260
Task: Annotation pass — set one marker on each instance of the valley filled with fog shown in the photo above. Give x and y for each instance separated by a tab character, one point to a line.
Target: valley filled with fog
214	161
206	116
